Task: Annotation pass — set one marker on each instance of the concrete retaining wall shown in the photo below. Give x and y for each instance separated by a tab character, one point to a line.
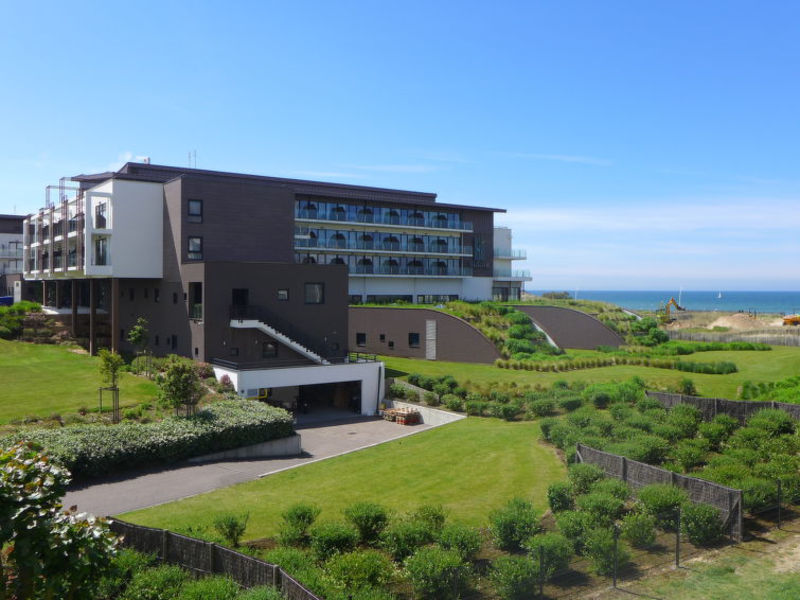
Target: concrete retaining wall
429	416
288	446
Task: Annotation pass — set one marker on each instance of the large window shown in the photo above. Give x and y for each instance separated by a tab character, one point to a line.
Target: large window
315	293
413	340
101	257
195	248
361	339
195	211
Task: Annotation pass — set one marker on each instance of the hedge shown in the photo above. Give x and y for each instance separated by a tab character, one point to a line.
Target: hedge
95	450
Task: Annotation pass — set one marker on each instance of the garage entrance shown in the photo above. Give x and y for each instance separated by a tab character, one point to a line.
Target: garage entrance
334	398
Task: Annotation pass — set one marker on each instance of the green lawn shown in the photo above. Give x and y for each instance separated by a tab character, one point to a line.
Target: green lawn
779	363
470	467
40	380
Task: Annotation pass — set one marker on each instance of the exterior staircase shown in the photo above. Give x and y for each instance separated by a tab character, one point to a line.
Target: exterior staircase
277	335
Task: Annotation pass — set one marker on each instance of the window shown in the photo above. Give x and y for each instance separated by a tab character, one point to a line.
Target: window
283	295
361	339
196	351
234	352
174	297
156	340
413	340
100	251
269	350
100	215
174	342
315	293
156	293
391	344
131	294
195	248
195	211
145	291
382	337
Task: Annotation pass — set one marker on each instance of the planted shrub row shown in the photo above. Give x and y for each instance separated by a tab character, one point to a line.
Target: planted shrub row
716	368
91	450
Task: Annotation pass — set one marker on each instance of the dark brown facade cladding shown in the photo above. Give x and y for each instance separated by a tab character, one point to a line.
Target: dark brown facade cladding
11	224
482	241
571	328
389	331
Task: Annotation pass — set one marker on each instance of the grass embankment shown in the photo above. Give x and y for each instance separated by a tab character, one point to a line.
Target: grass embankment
781	362
470	467
39	380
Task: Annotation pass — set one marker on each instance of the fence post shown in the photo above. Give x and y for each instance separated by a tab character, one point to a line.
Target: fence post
541	571
211	553
616	554
678	540
164	544
780	501
624	469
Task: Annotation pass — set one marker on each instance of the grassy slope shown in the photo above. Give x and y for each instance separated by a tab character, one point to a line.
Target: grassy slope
42	379
470	467
779	363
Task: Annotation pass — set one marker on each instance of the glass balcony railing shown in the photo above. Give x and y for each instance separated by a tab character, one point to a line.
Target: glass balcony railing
341	217
514	273
510	253
432	248
196	311
399	270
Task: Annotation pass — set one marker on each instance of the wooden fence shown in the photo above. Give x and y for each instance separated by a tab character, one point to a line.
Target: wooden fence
206	558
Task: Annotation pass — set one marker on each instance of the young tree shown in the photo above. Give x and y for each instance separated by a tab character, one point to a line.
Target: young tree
110	364
47	552
179	384
138	335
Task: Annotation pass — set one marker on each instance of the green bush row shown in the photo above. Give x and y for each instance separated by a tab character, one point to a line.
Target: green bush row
94	450
717	368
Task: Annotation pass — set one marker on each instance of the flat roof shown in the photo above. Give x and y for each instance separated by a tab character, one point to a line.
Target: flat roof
164	173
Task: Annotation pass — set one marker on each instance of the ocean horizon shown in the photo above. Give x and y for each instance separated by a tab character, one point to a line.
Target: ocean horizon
721	300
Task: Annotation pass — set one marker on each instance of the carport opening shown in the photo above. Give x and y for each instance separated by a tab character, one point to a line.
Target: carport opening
320	401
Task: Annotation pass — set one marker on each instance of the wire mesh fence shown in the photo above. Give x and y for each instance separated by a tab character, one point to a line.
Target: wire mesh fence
781	337
711	407
206	558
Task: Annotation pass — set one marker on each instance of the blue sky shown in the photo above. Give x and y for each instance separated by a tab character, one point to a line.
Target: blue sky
635	145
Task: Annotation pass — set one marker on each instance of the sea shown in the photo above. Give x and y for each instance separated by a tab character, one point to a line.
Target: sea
721	300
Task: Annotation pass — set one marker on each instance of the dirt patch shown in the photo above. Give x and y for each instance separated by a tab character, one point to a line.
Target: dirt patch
78	351
787	560
739	322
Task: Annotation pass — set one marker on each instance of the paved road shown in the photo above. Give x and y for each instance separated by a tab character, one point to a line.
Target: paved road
141	489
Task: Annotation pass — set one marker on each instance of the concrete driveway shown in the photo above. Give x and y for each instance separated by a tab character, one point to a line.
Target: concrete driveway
140	489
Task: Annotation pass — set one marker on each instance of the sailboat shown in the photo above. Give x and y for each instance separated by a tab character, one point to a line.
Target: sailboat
719	295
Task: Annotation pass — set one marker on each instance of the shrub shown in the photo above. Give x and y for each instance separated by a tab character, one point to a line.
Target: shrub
464	540
571	403
690	454
401	539
546	425
368	518
514	577
297	519
603	509
330	538
159	583
123	566
600	394
437	573
397	390
231	527
555	550
514	523
702	524
359	569
573	525
453	402
600	550
615	487
431	399
663	500
91	450
431	516
475	407
261	592
218	588
774	421
293	560
543	407
715	433
583	475
639	529
559	496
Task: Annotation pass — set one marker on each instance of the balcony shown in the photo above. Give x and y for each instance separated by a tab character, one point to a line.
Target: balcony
522	274
412	271
196	311
430	222
510	254
10	252
378	246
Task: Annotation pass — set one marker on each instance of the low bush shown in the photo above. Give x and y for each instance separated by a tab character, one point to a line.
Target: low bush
453	402
159	583
431	516
773	421
297	519
639	529
583	475
514	577
333	537
615	487
514	523
570	403
702	524
95	450
690	453
437	573
662	501
559	496
368	518
431	399
554	549
574	525
402	539
231	527
600	550
261	592
602	508
360	569
123	567
542	407
461	538
216	587
398	391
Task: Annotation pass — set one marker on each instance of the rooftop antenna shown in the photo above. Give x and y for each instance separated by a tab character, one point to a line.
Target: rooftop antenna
192	159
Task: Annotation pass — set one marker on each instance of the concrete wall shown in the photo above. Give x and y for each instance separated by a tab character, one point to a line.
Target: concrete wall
288	446
456	340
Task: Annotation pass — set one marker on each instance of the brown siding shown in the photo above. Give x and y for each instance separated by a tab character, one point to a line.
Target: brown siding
482	241
457	340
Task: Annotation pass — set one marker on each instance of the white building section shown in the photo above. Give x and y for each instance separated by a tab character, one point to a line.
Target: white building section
370	374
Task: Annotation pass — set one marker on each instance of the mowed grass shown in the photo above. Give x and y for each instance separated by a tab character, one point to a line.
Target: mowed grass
773	365
470	467
40	380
